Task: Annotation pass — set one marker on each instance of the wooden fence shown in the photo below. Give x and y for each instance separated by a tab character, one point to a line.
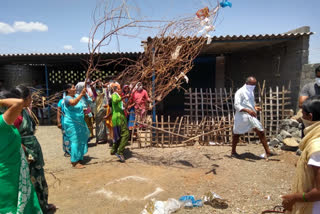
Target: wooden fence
200	103
181	131
209	117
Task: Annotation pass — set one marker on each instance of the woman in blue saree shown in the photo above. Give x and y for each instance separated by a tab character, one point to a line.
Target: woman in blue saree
75	126
60	118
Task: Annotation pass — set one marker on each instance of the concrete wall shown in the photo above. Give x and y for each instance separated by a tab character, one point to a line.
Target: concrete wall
14	75
279	65
308	74
220	71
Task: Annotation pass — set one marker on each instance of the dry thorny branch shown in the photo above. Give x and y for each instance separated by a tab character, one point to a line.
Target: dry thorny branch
168	57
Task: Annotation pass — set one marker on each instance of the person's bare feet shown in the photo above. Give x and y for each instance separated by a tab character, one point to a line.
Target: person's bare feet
235	155
271	153
78	165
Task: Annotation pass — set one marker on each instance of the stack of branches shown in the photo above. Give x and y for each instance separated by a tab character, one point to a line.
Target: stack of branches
40	101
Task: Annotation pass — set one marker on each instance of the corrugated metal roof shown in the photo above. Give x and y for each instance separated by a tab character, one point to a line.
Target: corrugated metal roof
214	39
249	37
260	36
111	54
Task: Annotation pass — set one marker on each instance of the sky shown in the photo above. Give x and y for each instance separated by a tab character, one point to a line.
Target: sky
63	26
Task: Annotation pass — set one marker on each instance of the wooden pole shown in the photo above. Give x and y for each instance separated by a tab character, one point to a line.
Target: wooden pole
196	102
204	134
162	134
190	102
271	113
211	105
201	95
162	130
157	133
169	120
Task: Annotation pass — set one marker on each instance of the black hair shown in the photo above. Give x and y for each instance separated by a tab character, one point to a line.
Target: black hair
67	86
248	79
317	69
21	92
114	89
312	105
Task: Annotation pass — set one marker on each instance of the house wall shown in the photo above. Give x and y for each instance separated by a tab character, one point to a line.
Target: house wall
220	71
14	75
308	74
279	65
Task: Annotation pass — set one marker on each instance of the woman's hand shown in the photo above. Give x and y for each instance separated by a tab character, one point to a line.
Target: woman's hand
15	107
83	92
131	105
289	201
106	117
92	84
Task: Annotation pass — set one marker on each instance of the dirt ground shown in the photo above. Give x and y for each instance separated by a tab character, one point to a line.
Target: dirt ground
249	184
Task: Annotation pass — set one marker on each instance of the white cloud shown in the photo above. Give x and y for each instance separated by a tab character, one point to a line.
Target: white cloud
85	39
68	47
5	28
22	27
31	26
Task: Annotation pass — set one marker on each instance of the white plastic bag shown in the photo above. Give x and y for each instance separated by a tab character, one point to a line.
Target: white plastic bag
162	207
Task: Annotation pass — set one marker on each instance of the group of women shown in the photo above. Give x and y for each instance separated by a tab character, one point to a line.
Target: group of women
22	181
112	108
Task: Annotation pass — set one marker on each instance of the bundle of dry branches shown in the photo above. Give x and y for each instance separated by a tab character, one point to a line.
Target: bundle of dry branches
167	58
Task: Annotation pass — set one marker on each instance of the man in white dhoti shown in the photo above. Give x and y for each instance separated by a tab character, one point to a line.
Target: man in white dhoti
245	118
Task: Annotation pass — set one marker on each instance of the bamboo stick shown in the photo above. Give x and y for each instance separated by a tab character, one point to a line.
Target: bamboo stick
271	114
196	102
169	120
204	134
162	134
201	95
210	91
157	133
162	130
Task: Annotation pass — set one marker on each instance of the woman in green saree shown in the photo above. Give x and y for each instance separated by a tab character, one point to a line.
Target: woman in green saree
17	194
33	152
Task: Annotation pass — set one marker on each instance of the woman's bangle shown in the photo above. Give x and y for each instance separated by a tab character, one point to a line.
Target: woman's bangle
304	197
